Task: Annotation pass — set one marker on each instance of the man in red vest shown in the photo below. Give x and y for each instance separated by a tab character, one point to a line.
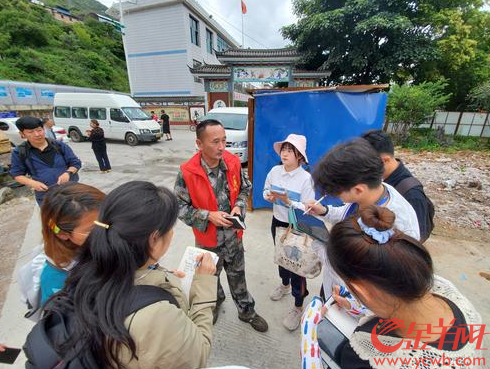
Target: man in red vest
210	186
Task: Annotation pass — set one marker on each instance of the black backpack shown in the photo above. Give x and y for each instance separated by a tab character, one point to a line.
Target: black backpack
55	328
407	184
24	153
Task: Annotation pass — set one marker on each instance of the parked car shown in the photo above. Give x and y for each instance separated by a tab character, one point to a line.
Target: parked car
235	122
61	134
7	125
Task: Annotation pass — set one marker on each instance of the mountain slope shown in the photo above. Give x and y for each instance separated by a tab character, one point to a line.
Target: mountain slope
37	48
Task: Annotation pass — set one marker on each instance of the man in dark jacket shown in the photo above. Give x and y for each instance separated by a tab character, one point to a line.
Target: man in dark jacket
396	175
40	163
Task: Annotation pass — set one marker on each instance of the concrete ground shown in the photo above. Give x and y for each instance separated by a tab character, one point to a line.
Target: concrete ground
457	257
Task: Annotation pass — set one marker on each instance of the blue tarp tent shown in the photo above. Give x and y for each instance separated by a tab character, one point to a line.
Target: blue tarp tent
324	117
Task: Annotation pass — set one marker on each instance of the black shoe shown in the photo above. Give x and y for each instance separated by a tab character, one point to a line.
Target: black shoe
257	322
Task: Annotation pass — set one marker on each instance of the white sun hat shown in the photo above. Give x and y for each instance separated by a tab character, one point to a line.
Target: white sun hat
298	141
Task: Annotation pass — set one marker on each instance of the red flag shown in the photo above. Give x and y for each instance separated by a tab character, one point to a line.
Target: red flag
244	8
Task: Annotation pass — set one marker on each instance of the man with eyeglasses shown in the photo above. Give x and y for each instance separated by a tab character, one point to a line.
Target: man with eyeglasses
40	162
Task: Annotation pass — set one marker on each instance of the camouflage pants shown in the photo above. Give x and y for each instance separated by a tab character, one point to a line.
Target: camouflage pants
232	259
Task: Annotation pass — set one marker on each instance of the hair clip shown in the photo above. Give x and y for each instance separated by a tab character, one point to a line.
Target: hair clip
52	225
100	224
379	236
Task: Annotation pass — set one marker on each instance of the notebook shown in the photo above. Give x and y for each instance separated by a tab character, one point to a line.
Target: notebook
310	225
188	265
344	322
237	220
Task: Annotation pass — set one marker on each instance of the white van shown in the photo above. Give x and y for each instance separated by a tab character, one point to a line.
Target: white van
119	115
235	121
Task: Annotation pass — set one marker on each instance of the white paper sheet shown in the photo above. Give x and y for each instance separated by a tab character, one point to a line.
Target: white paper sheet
339	317
188	266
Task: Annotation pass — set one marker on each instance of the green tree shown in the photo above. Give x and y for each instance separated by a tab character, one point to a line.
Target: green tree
373	41
36	47
361	41
480	97
463	57
409	105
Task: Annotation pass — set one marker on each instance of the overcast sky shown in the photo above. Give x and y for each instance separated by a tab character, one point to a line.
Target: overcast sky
262	22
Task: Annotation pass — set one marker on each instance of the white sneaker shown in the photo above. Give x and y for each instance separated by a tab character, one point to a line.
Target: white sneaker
280	292
292	319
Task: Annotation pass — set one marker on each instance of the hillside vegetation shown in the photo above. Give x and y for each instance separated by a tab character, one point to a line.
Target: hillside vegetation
35	47
79	6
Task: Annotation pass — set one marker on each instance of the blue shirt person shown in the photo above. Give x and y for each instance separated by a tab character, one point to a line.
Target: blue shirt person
52	281
40	162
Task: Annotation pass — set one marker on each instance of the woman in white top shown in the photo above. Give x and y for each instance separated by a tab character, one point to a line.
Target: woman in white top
288	185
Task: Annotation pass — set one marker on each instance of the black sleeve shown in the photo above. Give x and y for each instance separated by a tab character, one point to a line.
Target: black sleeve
417	199
97	135
349	359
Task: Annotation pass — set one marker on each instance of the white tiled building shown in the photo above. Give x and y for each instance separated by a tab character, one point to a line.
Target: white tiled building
163	38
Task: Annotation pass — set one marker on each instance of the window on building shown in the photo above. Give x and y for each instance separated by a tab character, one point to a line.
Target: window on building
222	45
80	113
98	113
62	112
209	41
194	30
195	64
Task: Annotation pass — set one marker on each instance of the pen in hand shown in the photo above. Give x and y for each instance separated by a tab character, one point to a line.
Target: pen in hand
316	203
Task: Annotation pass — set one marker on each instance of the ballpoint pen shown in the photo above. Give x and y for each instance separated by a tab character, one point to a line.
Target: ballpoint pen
316	203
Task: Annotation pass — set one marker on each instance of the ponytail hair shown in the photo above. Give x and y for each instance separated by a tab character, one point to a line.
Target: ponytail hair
401	267
100	286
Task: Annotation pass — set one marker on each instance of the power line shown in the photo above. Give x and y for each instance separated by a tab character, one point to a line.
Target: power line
224	20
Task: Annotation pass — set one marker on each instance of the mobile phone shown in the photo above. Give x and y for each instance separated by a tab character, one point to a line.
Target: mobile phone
9	355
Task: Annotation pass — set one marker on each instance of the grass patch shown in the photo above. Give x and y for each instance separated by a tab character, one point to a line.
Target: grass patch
425	139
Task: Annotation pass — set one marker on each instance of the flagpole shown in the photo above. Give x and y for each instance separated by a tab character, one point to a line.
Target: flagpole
243	44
